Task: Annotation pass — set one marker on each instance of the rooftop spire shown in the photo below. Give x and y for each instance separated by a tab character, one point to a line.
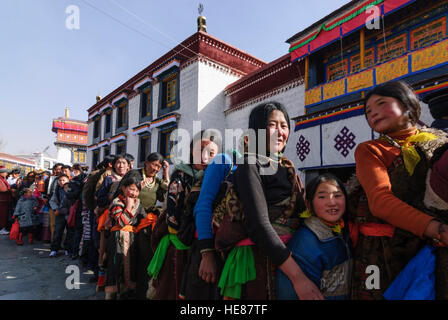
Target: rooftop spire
67	112
202	23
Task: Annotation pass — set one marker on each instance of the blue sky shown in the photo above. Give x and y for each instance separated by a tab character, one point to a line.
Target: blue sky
45	67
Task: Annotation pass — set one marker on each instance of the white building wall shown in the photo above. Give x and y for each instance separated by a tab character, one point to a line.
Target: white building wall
64	155
89	142
133	121
155	106
188	94
102	126
212	80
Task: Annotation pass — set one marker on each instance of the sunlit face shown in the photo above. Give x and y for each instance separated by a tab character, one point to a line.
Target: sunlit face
329	202
278	131
121	167
152	168
62	181
205	150
386	114
67	172
58	170
130	191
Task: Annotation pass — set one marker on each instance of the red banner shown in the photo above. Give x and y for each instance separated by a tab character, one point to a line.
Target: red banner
390	5
298	53
362	19
325	38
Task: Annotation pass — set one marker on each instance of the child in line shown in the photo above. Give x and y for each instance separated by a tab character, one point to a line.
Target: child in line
26	213
128	218
321	246
59	205
392	171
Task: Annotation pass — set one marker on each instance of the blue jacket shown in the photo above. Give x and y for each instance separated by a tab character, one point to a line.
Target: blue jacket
59	201
325	259
217	171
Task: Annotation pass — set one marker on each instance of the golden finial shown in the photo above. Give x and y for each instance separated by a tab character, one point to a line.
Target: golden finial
202	23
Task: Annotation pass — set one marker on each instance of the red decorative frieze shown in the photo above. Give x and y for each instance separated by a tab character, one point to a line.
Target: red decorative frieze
199	44
268	78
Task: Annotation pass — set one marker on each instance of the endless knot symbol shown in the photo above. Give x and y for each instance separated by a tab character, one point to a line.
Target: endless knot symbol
303	148
345	141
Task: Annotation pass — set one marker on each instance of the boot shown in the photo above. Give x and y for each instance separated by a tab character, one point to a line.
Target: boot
101	280
19	239
30	238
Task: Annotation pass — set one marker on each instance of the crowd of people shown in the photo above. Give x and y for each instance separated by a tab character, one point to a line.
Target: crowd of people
240	224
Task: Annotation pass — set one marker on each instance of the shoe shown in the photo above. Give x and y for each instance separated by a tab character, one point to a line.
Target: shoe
4	232
19	239
53	254
101	281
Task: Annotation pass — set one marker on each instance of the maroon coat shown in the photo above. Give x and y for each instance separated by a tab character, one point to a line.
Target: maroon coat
5	201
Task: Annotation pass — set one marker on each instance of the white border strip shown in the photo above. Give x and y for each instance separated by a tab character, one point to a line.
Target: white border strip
145	80
94	114
171	118
105	107
144	129
118	138
173	63
121	96
104	143
91	148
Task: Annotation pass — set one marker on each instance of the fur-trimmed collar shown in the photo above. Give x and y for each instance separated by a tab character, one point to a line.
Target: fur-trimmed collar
321	231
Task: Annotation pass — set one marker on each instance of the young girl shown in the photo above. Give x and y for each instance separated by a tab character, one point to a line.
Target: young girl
205	263
153	189
170	253
321	245
26	213
105	195
271	198
392	171
127	215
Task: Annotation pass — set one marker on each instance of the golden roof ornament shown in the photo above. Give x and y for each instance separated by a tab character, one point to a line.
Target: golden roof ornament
202	23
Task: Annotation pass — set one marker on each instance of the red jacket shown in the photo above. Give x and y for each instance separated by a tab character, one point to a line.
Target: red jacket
5	190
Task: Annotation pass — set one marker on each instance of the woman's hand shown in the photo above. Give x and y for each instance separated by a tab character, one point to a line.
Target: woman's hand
436	228
207	268
166	170
304	287
56	213
130	202
444	234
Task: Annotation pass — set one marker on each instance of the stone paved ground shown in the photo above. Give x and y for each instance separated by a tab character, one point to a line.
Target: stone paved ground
28	273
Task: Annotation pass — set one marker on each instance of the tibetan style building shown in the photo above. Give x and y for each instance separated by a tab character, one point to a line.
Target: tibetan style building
71	139
321	82
184	85
348	53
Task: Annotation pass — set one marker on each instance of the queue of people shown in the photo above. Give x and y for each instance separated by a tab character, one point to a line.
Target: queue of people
240	224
